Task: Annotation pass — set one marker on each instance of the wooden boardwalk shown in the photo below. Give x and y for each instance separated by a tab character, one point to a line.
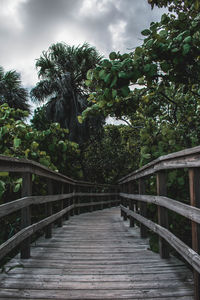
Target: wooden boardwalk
96	256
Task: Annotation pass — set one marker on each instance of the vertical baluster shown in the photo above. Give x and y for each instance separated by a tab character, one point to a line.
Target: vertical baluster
131	203
60	221
67	188
72	200
162	212
48	209
143	208
125	202
100	197
78	200
194	180
26	213
91	198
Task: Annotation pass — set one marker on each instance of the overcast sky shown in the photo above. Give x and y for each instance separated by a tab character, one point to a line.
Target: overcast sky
27	27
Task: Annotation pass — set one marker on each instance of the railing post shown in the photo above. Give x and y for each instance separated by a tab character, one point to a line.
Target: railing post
26	214
77	201
125	202
131	203
91	199
48	209
72	200
162	212
68	201
60	221
194	180
143	208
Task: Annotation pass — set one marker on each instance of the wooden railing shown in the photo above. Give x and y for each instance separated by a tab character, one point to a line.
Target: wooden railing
72	197
188	159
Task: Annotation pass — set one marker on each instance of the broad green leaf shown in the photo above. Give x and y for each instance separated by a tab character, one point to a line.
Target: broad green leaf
107	78
186	49
16	142
114	93
149	43
87	82
113	55
146	32
175	50
164	19
16	188
102	74
147	67
80	119
188	39
125	90
114	82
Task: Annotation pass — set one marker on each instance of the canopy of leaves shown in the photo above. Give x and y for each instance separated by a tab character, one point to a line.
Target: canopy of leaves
49	147
62	71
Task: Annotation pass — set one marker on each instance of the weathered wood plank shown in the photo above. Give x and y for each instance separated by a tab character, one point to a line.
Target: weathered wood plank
94	294
95	256
190	212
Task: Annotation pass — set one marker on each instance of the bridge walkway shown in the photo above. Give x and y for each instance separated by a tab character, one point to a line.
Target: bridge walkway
95	256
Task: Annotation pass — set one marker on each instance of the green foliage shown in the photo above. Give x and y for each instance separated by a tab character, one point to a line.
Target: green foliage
11	90
49	147
62	72
109	158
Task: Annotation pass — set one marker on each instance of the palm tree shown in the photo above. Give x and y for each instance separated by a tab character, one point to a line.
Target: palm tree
11	90
62	70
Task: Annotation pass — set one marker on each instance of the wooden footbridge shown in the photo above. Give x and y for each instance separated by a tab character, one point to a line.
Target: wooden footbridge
95	243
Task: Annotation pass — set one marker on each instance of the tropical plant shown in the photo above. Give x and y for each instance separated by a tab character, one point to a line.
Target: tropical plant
11	90
62	70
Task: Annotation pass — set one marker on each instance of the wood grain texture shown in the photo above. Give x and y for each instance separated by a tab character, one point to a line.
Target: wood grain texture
95	256
188	211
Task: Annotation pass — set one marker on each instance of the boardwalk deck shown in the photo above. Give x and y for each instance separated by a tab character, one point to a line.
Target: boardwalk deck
96	256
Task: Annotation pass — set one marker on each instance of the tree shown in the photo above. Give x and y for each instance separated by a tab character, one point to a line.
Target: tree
62	70
11	90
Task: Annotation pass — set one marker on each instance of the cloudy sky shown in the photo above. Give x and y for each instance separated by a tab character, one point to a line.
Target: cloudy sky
27	27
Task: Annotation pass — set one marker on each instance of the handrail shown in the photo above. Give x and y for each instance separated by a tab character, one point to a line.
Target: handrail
69	200
187	159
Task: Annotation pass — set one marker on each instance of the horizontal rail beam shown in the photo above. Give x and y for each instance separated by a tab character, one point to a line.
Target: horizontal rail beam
190	212
186	252
10	207
189	158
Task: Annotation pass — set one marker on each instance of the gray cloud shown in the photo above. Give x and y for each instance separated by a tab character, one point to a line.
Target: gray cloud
27	27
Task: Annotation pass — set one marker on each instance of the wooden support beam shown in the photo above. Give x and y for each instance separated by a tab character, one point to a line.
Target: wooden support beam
162	212
48	208
131	204
143	208
26	213
194	180
61	206
125	202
